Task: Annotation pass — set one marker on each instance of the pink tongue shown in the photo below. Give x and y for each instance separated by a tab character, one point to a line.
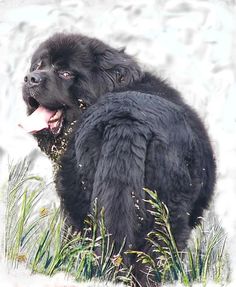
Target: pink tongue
37	121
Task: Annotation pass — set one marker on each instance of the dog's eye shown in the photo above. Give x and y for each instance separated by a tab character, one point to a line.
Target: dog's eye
65	75
120	78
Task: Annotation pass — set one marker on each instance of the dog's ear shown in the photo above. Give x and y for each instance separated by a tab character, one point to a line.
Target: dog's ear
114	66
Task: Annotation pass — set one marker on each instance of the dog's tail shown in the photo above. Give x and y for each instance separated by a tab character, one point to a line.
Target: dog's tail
119	181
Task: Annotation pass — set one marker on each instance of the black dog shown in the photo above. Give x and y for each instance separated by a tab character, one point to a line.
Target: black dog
113	130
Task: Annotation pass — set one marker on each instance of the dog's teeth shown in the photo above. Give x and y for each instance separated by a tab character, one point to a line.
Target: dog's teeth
56	116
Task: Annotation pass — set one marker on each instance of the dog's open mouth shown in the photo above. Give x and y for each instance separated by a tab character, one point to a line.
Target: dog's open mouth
43	118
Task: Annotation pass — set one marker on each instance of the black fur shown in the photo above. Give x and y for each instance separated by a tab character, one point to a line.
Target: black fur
133	131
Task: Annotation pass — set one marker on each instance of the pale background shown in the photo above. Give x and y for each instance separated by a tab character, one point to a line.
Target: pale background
192	43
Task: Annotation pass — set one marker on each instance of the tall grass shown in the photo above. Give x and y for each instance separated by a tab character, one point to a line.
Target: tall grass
205	259
36	237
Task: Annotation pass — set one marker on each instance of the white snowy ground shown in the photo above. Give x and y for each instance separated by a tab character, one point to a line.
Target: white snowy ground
191	42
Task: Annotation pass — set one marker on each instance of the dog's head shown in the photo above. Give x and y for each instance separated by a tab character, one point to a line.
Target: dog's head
68	73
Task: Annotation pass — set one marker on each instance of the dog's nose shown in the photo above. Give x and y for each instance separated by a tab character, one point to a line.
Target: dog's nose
33	79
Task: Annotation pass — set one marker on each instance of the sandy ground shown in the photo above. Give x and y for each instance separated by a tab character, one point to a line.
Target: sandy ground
191	43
